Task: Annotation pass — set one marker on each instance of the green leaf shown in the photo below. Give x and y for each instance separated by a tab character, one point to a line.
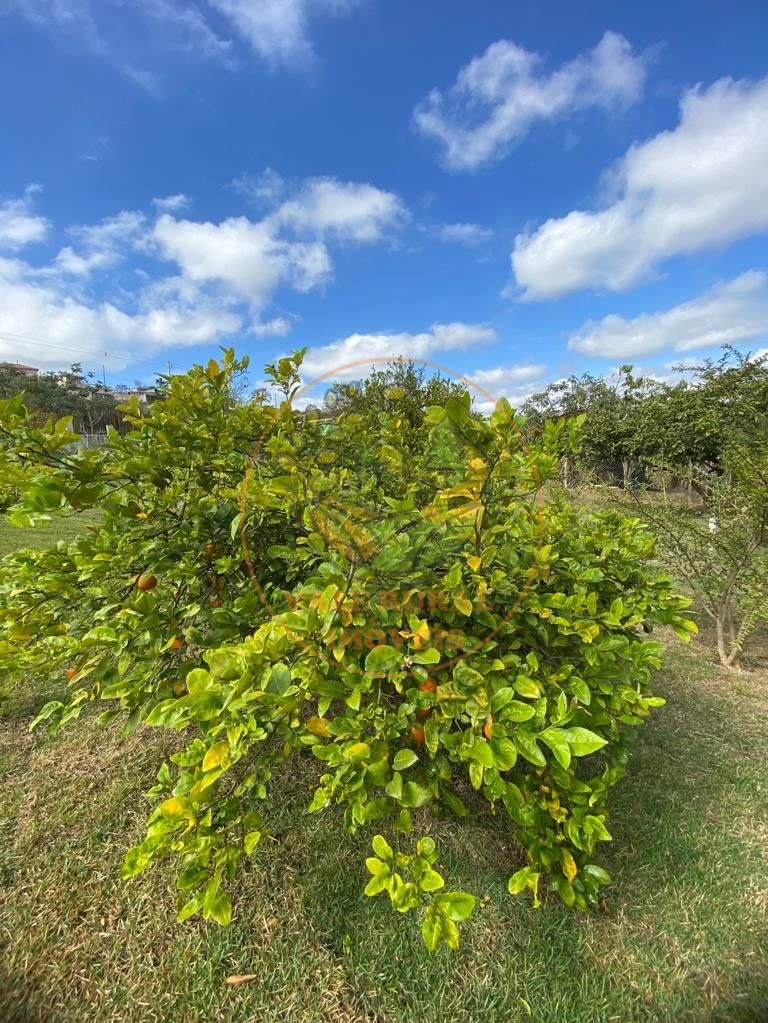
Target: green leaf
219	908
527	687
250	841
404	758
279	679
517	711
431	881
425	846
527	877
50	708
597	873
557	742
415	794
456	905
428	656
377	884
595	827
582	741
504	753
382	848
383	659
431	928
463	605
527	745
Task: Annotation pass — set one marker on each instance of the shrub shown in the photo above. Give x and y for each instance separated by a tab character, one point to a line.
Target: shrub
429	631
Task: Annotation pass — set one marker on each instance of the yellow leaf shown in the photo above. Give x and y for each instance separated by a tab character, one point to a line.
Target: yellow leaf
172	807
216	756
360	749
423	631
463	604
477	464
318	726
474	562
569	864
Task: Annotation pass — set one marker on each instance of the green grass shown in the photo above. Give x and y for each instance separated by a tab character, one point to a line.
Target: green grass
684	937
64	528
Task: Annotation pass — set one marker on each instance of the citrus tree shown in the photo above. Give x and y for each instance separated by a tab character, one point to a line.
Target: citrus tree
429	631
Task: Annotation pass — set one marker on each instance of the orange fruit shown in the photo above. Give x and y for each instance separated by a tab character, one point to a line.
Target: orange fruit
177	643
418	733
488	728
146	582
71	672
423	712
429	686
210	549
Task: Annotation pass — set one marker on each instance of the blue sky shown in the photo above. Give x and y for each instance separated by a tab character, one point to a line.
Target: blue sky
516	192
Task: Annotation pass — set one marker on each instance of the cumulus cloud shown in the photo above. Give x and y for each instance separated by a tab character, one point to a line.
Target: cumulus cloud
248	257
463	234
731	313
278	326
514	382
19	226
259	189
350	211
278	30
350	358
701	185
224	275
498	97
171	203
101	245
43	322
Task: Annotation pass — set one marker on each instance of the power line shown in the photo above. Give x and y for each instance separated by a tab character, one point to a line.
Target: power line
95	355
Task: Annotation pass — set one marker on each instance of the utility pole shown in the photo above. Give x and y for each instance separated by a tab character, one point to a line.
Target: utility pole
104	376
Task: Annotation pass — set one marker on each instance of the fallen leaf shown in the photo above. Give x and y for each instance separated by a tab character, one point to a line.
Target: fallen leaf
241	978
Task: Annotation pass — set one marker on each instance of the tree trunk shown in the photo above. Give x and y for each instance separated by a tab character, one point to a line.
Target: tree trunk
627	465
567	472
725	632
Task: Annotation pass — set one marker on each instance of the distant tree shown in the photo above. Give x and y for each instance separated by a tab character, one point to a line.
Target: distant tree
64	393
401	388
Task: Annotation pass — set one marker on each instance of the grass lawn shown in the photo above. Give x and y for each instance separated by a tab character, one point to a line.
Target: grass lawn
59	529
684	938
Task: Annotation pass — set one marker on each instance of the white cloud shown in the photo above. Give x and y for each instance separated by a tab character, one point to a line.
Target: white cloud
730	313
19	226
278	29
148	80
43	323
350	211
279	326
103	244
499	96
463	234
259	189
247	257
702	185
513	382
359	349
185	28
225	275
171	203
